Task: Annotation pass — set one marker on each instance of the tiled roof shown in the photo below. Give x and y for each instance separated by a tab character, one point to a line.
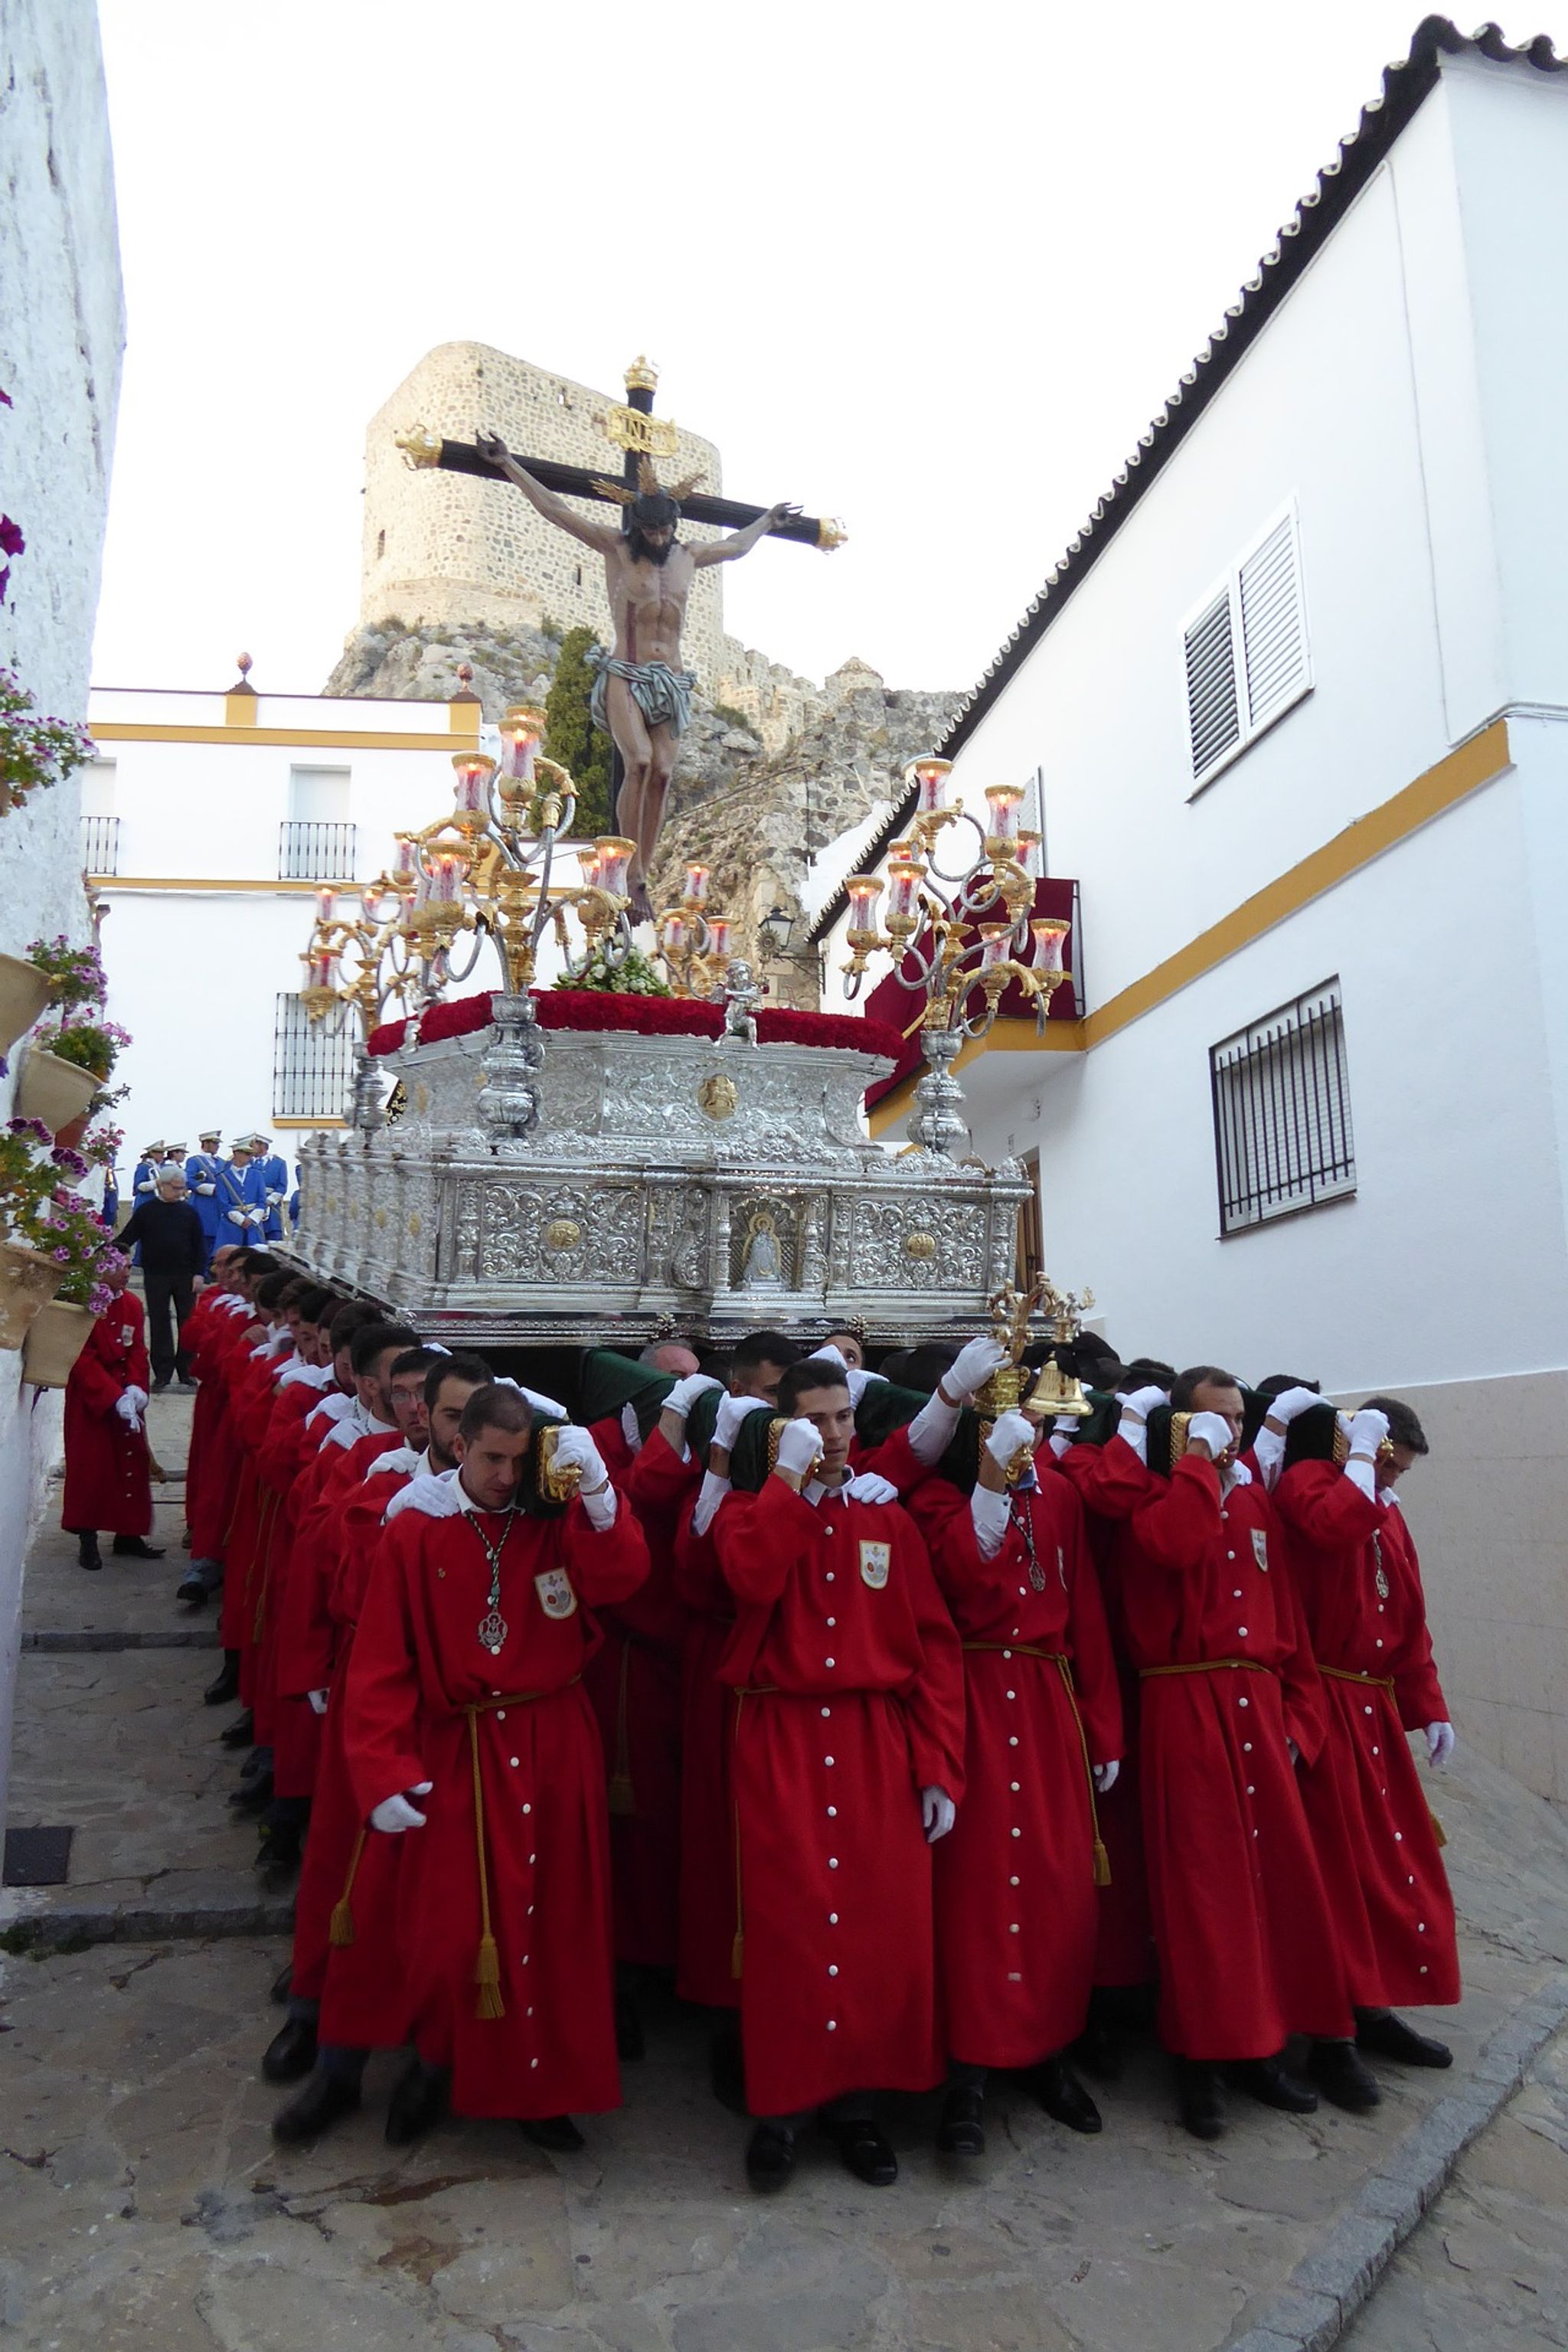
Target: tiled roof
1405	86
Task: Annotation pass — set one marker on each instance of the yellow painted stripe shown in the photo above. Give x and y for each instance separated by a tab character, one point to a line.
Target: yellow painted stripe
1479	761
311	739
307	1122
215	887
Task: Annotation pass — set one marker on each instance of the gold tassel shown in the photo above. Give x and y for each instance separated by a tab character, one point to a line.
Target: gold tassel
620	1793
1102	1864
341	1929
1439	1831
737	1954
487	1976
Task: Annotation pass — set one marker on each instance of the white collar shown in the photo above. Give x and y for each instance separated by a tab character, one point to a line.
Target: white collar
813	1490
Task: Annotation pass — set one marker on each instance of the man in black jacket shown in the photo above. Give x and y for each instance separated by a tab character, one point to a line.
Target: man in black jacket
174	1252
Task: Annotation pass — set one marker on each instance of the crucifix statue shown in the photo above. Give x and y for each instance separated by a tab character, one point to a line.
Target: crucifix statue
641	696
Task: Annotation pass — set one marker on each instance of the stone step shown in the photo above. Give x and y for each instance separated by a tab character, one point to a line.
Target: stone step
179	1905
114	1637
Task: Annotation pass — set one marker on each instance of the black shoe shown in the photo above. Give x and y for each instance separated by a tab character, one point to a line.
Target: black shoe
727	2066
629	2040
159	1386
1387	2036
241	1732
1061	2094
863	2151
277	1858
1343	2077
282	1983
88	1555
1099	2053
557	2133
769	2157
292	2051
1201	2097
192	1591
256	1766
1269	2083
136	1548
961	2131
191	1385
253	1797
324	2098
218	1694
418	2099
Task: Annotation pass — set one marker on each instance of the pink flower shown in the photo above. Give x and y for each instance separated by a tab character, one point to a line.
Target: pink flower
11	540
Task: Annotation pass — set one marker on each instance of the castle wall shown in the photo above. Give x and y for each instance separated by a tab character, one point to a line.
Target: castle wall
442	550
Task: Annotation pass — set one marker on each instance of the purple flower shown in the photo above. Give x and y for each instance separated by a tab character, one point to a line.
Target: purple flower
4	400
11	540
4	581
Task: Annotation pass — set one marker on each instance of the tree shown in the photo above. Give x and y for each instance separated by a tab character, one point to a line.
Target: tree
570	736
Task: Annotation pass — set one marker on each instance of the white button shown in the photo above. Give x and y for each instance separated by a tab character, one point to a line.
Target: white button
1015	1633
830	1662
1013	1929
1011	1694
1018	1833
1230	1555
833	1862
1246	1747
828	1761
833	1813
1367	1710
1235	1594
826	1713
534	2061
1007	1654
500	1715
1014	1786
1012	1740
1421	1927
530	1910
526	1958
531	1860
828	1531
833	1621
832	1968
830	1576
495	1694
1377	1645
1241	1631
1250	1790
1374	1751
514	1763
1011	1882
1244	1702
528	1809
1398	1834
833	1918
1423	1971
833	2025
528	2012
1021	1593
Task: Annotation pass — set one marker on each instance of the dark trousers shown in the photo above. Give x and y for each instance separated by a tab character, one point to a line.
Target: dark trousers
166	1292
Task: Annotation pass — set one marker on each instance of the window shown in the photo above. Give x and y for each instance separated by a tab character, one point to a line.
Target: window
313	1062
315	841
1282	1113
1245	650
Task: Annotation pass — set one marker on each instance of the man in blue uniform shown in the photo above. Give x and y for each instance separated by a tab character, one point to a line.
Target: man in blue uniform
241	1198
275	1180
201	1181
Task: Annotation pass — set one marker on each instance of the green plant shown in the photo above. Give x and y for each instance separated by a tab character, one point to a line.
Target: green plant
69	1229
90	1045
34	750
734	718
76	975
570	736
28	1175
633	976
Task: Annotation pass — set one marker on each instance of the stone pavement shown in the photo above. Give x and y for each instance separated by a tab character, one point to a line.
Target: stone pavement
144	2208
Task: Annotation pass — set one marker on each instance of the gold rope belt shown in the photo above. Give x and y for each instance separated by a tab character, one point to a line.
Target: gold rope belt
1205	1666
1063	1664
1382	1683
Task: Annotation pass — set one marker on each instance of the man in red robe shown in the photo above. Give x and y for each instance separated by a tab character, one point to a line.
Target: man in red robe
1359	1582
1016	1901
1242	1926
465	1688
107	1473
848	1762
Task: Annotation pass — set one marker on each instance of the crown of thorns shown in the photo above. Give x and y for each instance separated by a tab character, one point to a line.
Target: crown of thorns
648	486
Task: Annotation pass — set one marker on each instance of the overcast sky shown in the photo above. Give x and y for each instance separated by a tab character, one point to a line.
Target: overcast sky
930	269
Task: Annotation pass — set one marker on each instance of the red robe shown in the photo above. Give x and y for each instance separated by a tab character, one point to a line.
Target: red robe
108	1474
417	1667
1017	1909
1242	1926
1359	1585
849	1700
298	1655
710	1915
210	1479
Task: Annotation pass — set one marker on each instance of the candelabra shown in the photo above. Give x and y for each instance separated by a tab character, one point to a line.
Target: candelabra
695	943
961	936
482	873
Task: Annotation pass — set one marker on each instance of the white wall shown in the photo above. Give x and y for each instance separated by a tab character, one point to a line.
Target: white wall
61	331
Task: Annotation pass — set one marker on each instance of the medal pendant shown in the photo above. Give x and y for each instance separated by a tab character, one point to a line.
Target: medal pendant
1037	1576
493	1631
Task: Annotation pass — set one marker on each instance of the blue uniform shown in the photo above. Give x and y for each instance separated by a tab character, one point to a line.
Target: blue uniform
202	1175
241	1204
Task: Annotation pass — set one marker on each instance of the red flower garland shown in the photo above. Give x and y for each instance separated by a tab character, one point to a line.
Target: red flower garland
648	1016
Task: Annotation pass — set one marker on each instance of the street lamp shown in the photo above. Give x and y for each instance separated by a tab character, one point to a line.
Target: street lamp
776	932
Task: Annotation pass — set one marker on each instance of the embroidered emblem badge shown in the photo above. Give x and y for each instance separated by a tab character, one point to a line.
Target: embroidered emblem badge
556	1597
1261	1547
876	1559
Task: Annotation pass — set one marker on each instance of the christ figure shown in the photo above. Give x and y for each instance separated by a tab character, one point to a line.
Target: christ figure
641	694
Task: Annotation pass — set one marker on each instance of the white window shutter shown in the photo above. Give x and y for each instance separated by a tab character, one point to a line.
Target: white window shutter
1213	715
1273	624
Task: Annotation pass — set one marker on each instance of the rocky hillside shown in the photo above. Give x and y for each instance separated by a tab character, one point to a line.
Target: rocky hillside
755	816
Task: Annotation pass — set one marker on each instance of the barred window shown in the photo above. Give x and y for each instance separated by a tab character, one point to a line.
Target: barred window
1282	1113
313	1062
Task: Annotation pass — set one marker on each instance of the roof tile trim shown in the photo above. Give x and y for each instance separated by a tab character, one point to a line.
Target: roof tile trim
1404	87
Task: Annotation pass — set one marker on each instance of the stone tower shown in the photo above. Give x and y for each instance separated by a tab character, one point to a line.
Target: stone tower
442	549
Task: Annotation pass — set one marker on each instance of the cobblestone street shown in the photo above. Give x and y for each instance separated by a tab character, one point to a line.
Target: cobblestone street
143	2207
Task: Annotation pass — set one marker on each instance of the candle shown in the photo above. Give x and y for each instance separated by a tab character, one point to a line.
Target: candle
696	885
1051	943
719	929
1028	852
903	880
674	935
1003	800
402	854
471	789
421	884
614	854
324	906
994	939
588	871
864	890
520	734
930	778
447	879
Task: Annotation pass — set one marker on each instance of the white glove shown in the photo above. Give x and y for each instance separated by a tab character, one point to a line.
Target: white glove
127	1407
139	1395
576	1450
869	1486
829	1354
709	1495
800	1448
1439	1744
1141	1401
685	1392
207	1191
972	1366
1290	1402
938	1813
1009	1431
1106	1775
238	1217
1210	1429
394	1814
318	1702
731	1414
1368	1429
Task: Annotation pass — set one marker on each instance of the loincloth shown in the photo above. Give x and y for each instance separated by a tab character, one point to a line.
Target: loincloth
663	695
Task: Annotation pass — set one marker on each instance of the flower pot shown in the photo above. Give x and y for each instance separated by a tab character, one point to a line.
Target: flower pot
55	1091
23	992
70	1136
56	1337
27	1281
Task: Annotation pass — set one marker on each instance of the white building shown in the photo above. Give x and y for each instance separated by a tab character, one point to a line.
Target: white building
209	823
1298	695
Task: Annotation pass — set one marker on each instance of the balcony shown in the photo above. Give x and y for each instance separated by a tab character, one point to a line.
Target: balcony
100	845
311	851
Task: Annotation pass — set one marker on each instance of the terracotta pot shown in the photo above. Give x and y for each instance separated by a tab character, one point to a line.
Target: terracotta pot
23	992
55	1091
28	1280
56	1337
71	1134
